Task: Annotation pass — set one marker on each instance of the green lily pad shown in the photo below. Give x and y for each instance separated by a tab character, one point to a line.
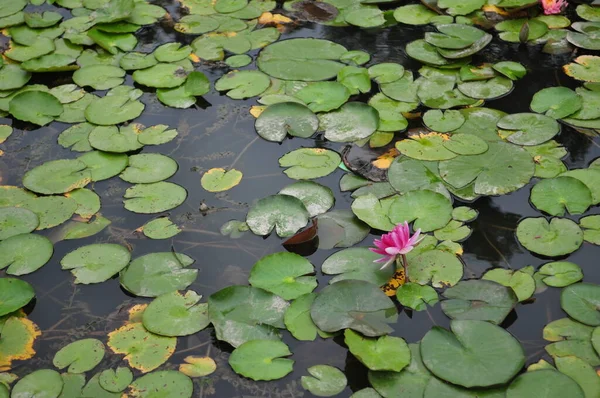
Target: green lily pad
171	52
36	107
510	69
556	102
558	237
36	47
335	308
155	274
483	300
309	163
387	72
279	120
115	380
160	228
302	59
356	263
391	116
560	273
502	169
174	314
156	135
349	229
455	7
316	198
147	168
473	354
234	229
466	144
425	147
519	281
581	302
556	195
365	17
42	383
284	274
113	109
113	42
528	128
443	122
261	360
15	221
285	213
5	132
96	263
429	210
487	89
168	382
135	61
373	211
297	318
521	30
154	198
326	381
383	353
407	175
586	68
80	356
403	89
198	366
589	177
243	84
416	297
567	329
73	385
51	210
581	372
414	14
161	76
355	79
14	294
12	77
438	267
104	165
544	383
244	313
323	96
454	231
25	253
353	121
99	77
238	61
79	230
57	176
8	8
113	139
143	350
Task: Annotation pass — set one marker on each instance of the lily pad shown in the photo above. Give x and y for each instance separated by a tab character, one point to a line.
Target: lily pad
284	274
356	263
317	198
309	163
104	165
160	228
25	253
581	372
155	274
198	366
528	128
161	76
96	263
243	84
113	139
383	353
36	107
353	121
99	77
483	300
57	176
297	318
174	314
168	382
555	238
519	281
351	229
43	383
473	354
154	198
544	383
438	267
15	221
425	147
556	195
147	168
556	102
487	89
326	381
407	175
115	380
414	14
14	294
585	67
285	213
12	77
581	302
80	356
443	122
373	211
113	109
261	360
18	337
51	210
416	297
143	350
323	96
218	180
560	273
335	308
244	313
429	210
279	120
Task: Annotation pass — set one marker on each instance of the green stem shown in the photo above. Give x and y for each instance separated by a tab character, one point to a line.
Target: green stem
405	265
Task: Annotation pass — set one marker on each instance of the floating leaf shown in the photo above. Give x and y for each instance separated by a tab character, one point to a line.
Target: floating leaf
560	273
197	366
373	211
104	165
454	231
416	297
96	263
284	274
279	120
528	128
326	381
555	195
556	102
473	354
519	281
581	372
57	176
155	274
558	237
407	175
309	163
356	263
18	336
414	14
353	121
160	228
323	96
174	314
297	318
429	210
244	313
25	253
36	107
148	168
113	139
39	383
80	356
157	135
12	77
113	109
76	137
73	385
115	380
586	68
168	382
581	302
285	213
243	84
14	294
439	267
15	221
316	198
443	122
350	229
99	77
544	383
51	210
425	147
383	353
154	198
261	360
335	308
143	350
218	180
88	202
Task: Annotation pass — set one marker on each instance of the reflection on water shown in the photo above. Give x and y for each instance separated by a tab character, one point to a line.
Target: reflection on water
219	132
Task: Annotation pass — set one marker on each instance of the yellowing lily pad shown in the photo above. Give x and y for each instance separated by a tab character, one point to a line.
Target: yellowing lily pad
16	343
218	180
197	366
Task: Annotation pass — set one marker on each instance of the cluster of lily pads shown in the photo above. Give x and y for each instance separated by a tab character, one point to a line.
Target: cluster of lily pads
455	149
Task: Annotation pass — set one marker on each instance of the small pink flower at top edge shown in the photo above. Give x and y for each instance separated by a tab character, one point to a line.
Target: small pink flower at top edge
397	242
553	6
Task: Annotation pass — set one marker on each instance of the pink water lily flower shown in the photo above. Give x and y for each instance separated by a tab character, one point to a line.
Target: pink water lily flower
553	6
396	243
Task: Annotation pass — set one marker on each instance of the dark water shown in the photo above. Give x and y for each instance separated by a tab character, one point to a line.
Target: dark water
219	132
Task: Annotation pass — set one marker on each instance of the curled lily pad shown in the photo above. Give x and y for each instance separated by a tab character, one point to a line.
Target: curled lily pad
353	121
335	309
555	195
285	213
155	274
160	228
15	221
143	350
80	356
36	107
317	198
96	263
429	210
555	238
473	354
581	302
14	295
284	274
560	273
175	314
279	120
154	198
325	381
261	360
243	84
147	168
45	383
309	163
25	253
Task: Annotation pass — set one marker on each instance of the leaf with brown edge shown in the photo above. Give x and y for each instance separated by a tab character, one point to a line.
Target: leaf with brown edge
143	350
16	341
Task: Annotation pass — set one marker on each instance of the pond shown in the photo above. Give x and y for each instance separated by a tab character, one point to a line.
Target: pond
190	221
